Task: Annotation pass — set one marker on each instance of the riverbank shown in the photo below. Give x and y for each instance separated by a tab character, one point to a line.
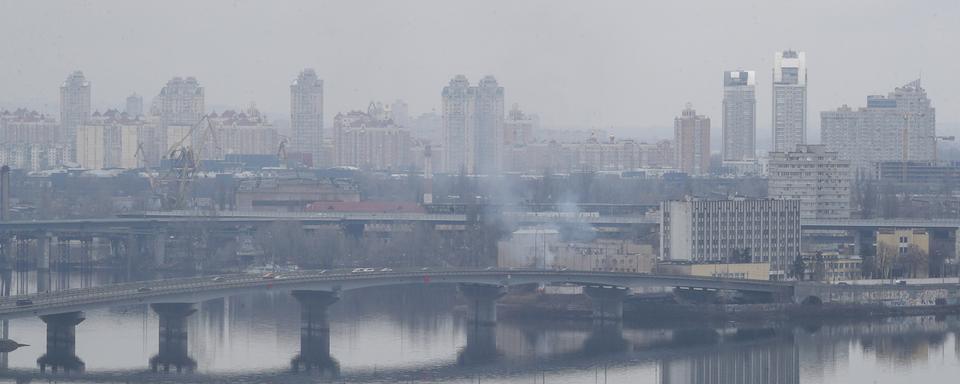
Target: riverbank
576	307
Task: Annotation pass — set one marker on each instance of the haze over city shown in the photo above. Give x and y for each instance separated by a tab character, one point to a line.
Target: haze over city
631	65
450	191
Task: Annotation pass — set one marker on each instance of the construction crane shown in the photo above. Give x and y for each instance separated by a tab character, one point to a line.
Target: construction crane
140	155
184	164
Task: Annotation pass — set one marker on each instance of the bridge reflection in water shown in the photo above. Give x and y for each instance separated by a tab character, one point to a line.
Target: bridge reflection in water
497	351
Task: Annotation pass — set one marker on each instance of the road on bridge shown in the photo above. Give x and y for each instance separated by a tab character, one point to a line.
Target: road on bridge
197	289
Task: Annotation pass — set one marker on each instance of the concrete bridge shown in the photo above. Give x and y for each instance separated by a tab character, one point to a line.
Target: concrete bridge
205	288
173	301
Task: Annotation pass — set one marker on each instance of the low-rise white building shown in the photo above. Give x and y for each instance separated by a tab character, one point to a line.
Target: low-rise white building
528	248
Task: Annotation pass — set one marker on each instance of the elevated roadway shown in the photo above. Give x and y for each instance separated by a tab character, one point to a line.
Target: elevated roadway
144	222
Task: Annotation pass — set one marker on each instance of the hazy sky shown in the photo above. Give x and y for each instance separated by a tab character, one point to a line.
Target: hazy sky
592	64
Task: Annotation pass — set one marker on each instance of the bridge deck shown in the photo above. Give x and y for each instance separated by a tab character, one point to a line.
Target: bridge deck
204	288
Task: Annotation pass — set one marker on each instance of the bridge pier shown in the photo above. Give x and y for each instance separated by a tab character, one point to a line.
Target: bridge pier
61	343
482	300
43	280
43	251
481	323
6	251
607	303
159	245
314	353
23	254
86	253
63	254
173	338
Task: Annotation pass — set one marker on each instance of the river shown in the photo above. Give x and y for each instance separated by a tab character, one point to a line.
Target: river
419	334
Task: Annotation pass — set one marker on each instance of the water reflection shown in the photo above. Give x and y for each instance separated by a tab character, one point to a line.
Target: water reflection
422	334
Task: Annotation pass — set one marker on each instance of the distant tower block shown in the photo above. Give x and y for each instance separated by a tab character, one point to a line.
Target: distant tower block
427	175
4	193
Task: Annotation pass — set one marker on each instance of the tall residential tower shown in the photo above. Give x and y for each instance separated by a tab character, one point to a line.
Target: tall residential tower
74	105
306	115
472	126
691	138
789	100
180	106
739	115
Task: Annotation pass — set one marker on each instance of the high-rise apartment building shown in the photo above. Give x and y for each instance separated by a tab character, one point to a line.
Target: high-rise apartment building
472	126
134	106
898	127
712	231
371	140
816	177
74	104
180	102
23	126
518	127
739	115
32	141
113	140
691	138
306	116
789	100
246	132
604	155
179	106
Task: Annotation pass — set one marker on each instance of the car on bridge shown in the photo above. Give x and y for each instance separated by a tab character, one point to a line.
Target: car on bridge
24	302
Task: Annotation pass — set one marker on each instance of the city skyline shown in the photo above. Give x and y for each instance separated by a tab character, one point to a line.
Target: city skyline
866	68
455	190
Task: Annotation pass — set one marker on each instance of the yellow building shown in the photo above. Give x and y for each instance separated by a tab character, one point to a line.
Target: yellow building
831	266
903	252
749	271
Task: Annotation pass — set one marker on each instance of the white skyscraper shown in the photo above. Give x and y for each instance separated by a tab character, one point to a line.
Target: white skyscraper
306	115
789	100
739	115
74	104
472	126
